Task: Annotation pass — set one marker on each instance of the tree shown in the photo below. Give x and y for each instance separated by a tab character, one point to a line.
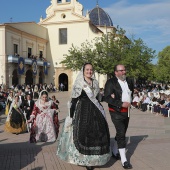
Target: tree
111	49
78	56
163	65
138	59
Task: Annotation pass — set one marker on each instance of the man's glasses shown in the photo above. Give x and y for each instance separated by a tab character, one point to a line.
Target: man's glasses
121	70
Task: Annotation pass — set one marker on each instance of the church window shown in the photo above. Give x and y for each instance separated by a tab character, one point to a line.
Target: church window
59	1
29	52
63	36
15	49
41	55
67	0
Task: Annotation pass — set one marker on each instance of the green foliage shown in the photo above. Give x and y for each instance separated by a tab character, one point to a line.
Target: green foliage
111	49
163	67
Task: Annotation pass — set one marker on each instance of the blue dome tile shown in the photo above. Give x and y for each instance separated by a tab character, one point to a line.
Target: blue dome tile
99	17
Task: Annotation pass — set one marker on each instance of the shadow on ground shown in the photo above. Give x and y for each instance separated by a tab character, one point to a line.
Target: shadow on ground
19	155
131	147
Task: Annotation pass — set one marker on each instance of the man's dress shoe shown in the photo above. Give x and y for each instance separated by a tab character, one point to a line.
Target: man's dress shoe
127	165
89	167
117	156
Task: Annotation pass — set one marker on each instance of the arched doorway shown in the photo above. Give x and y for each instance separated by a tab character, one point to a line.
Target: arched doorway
41	77
15	77
63	78
29	77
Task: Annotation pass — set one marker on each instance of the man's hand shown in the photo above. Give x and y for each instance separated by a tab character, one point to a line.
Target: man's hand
126	104
113	96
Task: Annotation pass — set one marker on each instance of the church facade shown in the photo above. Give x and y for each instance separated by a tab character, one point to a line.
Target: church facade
31	52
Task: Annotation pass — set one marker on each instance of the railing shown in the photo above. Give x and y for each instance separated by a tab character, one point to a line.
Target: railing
28	61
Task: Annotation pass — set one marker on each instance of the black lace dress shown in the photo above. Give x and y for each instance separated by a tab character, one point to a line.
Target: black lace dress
90	129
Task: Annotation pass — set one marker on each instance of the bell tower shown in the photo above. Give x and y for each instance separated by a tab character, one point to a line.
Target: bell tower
58	5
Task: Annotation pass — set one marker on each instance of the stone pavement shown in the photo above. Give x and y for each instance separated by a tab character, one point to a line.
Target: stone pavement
148	145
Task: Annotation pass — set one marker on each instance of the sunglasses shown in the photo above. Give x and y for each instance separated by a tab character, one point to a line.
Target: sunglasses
120	70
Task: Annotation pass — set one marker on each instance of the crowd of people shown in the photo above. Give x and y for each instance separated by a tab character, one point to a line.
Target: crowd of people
85	136
155	98
30	109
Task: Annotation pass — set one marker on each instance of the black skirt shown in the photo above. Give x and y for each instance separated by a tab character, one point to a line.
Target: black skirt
90	130
16	119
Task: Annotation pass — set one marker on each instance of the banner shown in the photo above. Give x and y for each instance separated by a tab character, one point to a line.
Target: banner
34	66
21	67
45	68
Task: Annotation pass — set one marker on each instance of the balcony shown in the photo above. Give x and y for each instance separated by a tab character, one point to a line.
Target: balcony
28	61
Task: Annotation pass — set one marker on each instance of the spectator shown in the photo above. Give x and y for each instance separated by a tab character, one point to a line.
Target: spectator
164	110
61	87
145	102
135	101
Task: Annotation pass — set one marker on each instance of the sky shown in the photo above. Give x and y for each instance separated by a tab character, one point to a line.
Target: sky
145	19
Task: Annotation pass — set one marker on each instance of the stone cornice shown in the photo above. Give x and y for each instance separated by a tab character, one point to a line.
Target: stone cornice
25	34
65	10
64	22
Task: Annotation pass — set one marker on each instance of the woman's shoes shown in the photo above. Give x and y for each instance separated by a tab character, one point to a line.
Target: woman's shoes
89	168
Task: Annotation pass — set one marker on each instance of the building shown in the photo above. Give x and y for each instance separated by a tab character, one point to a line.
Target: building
32	52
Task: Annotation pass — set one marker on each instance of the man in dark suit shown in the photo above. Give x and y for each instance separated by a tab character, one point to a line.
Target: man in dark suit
29	92
28	106
21	98
118	92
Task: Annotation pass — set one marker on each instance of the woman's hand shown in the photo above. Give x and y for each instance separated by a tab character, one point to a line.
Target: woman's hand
29	121
56	110
113	96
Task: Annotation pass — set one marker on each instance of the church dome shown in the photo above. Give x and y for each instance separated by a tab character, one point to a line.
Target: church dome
99	17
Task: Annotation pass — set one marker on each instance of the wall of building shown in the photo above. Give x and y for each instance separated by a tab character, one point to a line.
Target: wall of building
2	55
79	30
23	40
45	37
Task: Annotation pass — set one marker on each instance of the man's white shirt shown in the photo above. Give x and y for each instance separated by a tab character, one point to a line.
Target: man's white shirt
125	91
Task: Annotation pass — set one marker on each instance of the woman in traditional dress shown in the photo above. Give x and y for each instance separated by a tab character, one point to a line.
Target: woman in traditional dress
8	102
87	142
44	118
15	122
56	102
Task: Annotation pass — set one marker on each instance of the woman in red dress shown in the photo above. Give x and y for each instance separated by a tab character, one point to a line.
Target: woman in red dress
44	118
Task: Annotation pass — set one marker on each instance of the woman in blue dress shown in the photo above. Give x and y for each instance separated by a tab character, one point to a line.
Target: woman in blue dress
86	141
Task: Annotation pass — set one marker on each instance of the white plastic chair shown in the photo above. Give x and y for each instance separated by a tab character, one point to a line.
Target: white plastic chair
150	107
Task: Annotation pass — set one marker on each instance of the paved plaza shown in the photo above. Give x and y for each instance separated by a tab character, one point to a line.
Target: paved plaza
148	144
